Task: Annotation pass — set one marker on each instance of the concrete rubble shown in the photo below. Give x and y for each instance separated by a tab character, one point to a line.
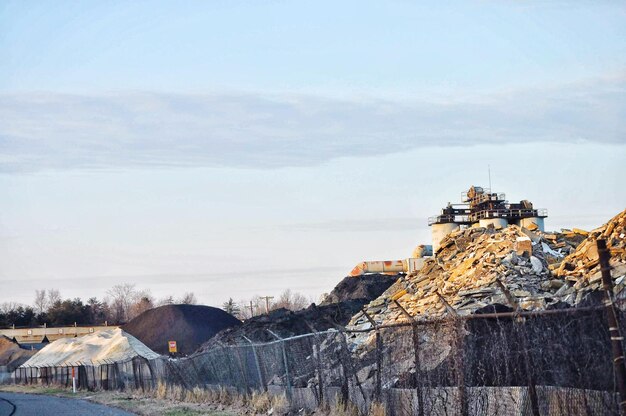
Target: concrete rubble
465	271
540	270
580	271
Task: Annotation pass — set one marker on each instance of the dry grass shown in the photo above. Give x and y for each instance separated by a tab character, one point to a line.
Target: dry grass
260	402
377	409
340	408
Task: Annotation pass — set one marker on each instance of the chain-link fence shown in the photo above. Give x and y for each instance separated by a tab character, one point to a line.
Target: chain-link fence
553	362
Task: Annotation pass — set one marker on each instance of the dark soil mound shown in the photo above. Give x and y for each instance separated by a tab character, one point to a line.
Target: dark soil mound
369	286
189	325
11	354
348	297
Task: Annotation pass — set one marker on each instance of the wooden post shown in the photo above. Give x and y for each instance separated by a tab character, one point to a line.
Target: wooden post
612	319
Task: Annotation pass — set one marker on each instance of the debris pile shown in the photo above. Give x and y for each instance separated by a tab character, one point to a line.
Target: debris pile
366	288
346	299
466	273
189	325
11	354
581	270
111	345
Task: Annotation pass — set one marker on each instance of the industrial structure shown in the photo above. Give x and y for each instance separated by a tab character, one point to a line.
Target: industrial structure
479	208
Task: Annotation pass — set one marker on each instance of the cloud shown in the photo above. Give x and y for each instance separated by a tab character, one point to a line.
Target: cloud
42	131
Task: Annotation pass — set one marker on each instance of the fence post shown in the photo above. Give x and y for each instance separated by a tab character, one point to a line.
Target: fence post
518	324
286	364
256	362
611	316
416	348
458	344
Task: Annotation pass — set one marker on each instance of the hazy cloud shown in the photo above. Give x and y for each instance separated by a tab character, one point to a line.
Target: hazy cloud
41	131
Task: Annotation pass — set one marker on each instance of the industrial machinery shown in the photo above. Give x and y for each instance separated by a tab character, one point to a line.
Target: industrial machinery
479	208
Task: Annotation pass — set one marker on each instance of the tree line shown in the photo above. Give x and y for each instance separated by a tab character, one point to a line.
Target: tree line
122	303
259	305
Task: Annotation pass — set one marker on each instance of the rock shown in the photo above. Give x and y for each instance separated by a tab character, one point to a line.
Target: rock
523	246
537	264
532	226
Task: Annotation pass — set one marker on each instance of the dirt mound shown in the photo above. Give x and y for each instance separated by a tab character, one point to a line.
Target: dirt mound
347	298
189	325
286	323
11	354
369	286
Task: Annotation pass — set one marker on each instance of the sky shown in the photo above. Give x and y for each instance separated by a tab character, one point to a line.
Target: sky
234	148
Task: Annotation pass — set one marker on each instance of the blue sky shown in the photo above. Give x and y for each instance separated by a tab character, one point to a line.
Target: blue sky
234	148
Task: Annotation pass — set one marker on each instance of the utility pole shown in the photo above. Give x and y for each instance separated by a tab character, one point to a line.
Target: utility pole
267	302
251	310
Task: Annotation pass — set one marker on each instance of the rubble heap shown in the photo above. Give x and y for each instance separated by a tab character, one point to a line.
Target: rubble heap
466	269
365	288
346	299
580	270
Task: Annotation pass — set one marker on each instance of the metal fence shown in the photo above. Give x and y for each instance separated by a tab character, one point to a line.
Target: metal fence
501	363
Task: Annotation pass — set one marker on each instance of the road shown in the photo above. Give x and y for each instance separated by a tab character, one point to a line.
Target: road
17	404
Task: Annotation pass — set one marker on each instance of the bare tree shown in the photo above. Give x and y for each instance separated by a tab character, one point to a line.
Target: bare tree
188	299
54	296
168	300
7	307
122	298
291	300
41	301
144	303
323	298
250	307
